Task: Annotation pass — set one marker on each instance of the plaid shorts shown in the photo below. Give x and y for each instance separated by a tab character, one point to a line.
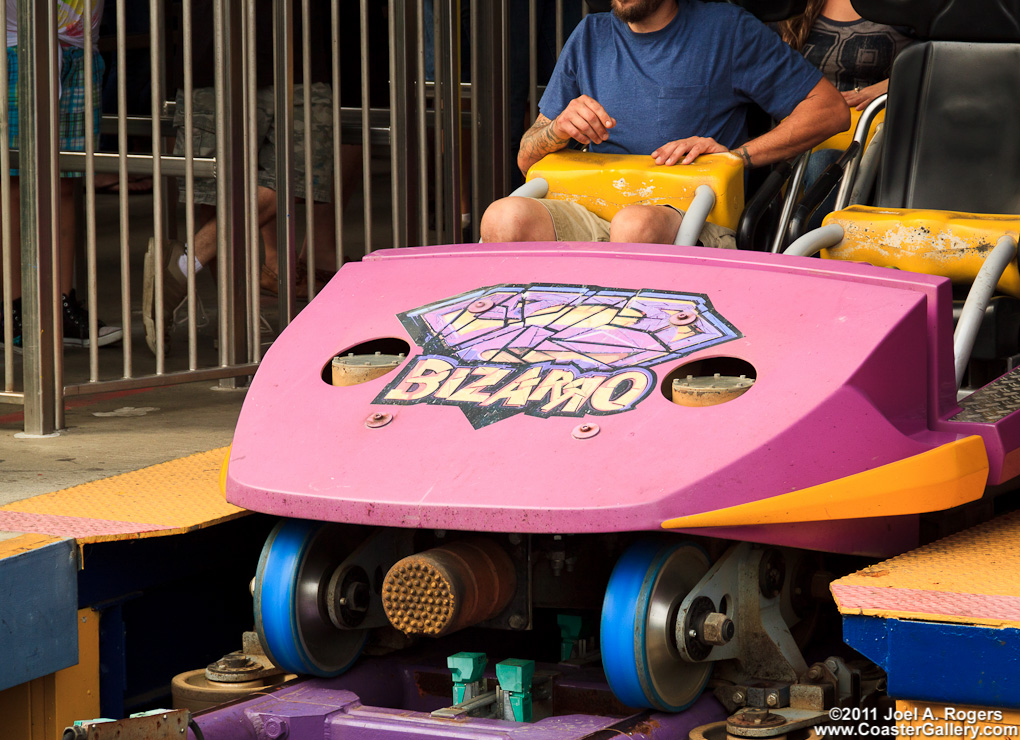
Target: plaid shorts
72	100
321	140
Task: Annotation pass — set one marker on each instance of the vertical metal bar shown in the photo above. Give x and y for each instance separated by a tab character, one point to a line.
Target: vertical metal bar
168	193
189	180
366	132
283	39
338	162
533	59
423	150
306	99
448	41
559	27
35	174
122	179
57	328
251	183
249	263
90	200
230	205
438	84
475	154
401	145
6	230
490	139
158	228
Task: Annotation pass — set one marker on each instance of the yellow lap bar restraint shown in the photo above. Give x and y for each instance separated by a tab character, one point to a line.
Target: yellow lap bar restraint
939	479
842	140
605	183
946	243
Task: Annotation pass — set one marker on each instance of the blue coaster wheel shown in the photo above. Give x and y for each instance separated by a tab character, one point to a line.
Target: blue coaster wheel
639	653
290	588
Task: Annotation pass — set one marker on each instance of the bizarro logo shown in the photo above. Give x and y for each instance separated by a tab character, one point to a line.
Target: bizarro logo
549	350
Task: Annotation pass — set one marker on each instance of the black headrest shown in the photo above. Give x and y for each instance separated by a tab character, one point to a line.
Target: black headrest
773	11
769	11
948	20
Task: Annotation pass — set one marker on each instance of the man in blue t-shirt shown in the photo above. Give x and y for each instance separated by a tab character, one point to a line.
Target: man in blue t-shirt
673	79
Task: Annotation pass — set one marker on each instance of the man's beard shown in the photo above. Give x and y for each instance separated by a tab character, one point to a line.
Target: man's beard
636	11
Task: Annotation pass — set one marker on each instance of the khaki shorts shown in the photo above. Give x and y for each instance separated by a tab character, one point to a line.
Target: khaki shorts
573	222
204	117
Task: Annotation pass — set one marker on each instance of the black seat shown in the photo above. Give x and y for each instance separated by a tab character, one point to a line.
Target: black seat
952	139
953	128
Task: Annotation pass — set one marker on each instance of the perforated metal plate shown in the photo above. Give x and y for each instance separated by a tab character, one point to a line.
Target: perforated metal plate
994	402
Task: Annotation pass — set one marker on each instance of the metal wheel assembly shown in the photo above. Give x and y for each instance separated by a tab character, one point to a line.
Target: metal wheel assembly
291	615
639	652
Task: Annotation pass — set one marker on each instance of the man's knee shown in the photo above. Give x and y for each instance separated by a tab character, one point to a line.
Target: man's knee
645	225
516	219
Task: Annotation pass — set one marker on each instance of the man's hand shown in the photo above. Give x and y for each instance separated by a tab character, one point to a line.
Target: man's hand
860	99
685	151
585	120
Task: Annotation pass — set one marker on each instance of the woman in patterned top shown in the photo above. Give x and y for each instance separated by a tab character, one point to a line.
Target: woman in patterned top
854	54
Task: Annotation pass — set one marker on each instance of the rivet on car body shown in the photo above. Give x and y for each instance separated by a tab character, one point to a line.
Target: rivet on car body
481	305
378	419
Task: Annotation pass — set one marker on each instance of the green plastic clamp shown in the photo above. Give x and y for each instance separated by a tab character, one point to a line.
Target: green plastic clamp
571	626
467	668
514	678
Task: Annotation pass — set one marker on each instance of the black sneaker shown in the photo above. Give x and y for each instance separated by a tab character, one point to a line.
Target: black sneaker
15	325
76	325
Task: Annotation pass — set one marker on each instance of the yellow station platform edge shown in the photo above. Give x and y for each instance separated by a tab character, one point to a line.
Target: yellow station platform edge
174	497
965	578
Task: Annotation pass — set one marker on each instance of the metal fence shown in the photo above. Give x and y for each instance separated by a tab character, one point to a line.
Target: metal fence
425	100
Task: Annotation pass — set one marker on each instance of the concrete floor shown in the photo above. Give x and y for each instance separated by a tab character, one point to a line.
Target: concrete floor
111	433
114	433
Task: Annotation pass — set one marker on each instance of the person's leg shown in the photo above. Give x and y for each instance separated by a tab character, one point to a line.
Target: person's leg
516	219
205	238
204	188
15	209
645	225
175	269
324	224
817	164
74	128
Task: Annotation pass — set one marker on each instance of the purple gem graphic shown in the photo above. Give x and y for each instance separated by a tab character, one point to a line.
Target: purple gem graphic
585	326
549	350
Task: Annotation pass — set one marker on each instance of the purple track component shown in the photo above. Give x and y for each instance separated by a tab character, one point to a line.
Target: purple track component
318	709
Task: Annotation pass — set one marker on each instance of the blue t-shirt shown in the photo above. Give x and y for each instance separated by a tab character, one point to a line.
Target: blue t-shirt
695	77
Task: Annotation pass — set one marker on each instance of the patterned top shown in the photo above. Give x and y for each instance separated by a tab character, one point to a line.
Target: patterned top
853	54
70	24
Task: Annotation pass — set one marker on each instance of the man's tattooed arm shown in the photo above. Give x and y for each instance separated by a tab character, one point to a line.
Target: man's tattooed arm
538	141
